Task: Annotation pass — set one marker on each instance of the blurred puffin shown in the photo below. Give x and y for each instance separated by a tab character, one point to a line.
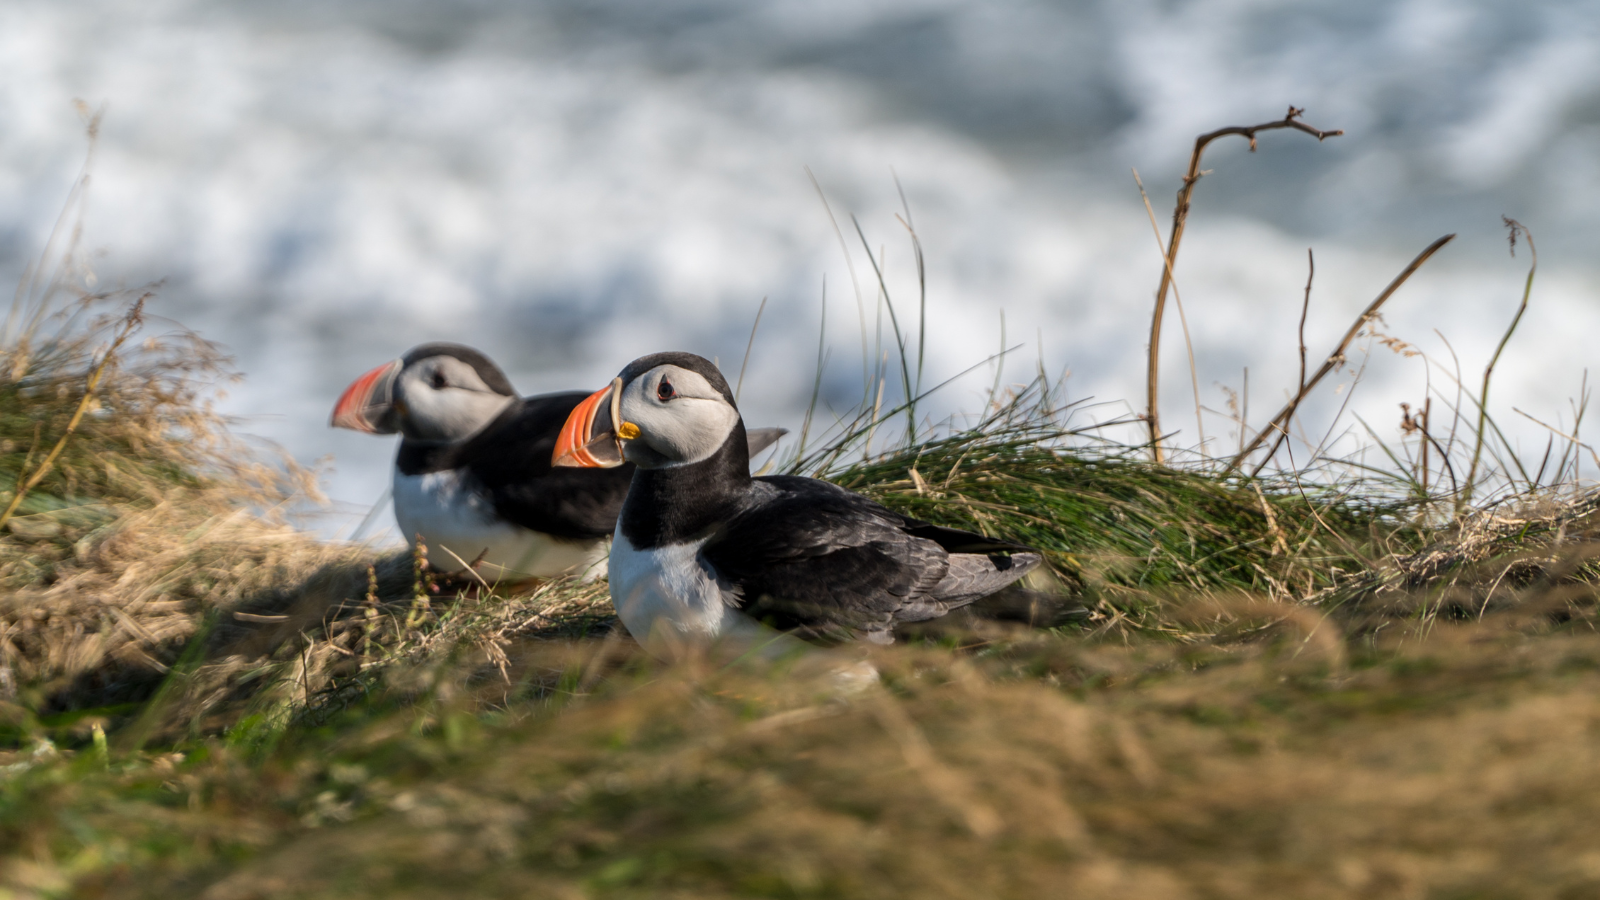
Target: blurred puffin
473	477
700	538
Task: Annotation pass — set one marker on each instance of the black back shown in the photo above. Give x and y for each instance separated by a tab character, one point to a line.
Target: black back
510	459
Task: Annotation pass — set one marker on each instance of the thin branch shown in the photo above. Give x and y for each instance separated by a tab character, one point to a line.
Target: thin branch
1572	438
1180	216
1335	359
1194	375
1305	307
130	324
1428	410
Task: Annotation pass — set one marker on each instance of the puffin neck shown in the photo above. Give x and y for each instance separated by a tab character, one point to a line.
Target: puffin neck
677	504
417	456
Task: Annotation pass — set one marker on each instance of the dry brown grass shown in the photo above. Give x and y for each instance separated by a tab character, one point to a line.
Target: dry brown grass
1465	767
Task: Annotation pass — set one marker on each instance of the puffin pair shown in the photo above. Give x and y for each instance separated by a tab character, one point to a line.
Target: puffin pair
702	548
473	477
659	461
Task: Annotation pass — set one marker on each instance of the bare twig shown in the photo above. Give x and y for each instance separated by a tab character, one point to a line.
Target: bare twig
1180	216
1244	408
130	324
471	568
1194	375
1571	438
1513	226
1280	422
1305	307
1427	411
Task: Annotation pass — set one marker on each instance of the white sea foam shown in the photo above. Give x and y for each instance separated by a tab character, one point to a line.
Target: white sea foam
570	185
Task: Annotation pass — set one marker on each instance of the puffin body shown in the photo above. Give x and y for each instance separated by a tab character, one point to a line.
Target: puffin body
472	478
702	548
495	494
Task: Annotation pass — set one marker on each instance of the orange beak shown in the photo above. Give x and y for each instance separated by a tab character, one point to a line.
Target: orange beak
368	403
589	440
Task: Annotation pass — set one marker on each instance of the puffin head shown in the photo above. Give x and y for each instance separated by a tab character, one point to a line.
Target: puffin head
663	410
437	392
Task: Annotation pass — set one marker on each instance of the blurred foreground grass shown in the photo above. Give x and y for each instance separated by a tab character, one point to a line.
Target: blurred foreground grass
1040	766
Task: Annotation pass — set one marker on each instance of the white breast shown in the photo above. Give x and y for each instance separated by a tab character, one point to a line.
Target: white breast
666	593
452	515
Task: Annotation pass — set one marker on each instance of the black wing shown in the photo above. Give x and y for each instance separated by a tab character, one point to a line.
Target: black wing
511	460
824	562
527	490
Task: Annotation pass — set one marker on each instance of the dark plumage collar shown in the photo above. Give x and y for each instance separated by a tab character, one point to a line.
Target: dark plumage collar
418	457
678	504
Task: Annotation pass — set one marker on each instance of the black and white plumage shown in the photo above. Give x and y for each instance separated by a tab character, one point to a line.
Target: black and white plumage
702	547
473	476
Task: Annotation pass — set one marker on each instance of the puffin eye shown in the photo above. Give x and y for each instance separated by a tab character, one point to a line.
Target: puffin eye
664	390
439	381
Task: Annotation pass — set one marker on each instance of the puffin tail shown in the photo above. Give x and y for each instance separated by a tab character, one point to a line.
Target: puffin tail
973	576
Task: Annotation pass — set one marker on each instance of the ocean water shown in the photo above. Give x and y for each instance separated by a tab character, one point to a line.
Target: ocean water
570	185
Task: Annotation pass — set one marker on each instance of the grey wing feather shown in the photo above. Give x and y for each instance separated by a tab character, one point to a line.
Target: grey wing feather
817	559
760	439
973	576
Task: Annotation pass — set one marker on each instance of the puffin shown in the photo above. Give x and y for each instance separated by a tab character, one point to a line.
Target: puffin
473	478
703	549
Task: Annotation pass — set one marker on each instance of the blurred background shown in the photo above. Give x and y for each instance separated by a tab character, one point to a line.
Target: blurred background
568	185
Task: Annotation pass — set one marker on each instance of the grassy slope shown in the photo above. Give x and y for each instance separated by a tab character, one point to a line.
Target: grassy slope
1465	766
1271	693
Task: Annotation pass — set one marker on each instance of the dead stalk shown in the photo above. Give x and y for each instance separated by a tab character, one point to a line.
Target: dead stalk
1305	307
1194	374
1180	216
130	324
1427	411
1279	424
1513	226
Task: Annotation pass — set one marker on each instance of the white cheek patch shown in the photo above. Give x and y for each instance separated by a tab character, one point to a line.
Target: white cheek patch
686	429
454	413
689	431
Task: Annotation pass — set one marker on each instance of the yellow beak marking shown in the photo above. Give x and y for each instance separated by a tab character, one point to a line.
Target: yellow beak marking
627	431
